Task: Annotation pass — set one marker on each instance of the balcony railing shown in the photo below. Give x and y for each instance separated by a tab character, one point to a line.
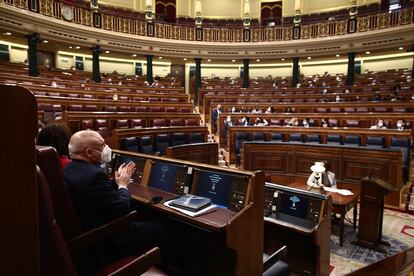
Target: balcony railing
127	24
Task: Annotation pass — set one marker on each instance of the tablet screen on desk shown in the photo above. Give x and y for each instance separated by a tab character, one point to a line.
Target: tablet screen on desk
226	190
294	205
168	177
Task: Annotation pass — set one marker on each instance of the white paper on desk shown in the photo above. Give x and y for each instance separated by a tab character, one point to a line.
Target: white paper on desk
208	209
339	191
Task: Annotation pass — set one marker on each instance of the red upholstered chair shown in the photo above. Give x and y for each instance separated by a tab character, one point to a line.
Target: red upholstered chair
90	107
399	109
53	94
138	99
86	124
122	123
185	110
101	126
176	122
136	123
75	107
156	109
125	109
352	123
349	109
362	109
110	108
321	110
154	100
335	109
123	98
159	123
141	109
166	100
171	109
191	122
274	122
380	109
87	96
55	252
333	122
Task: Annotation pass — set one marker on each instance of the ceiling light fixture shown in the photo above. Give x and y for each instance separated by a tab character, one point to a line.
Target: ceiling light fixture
134	55
184	58
233	60
107	52
7	33
70	47
367	52
282	59
159	57
45	41
77	47
338	55
257	60
309	58
401	48
208	60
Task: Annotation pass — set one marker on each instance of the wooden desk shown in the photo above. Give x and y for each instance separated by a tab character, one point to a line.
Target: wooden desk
340	205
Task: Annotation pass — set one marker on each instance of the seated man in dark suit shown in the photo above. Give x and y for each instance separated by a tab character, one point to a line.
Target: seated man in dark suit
97	199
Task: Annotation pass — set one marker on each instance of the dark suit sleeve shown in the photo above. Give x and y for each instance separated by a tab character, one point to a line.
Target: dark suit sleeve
113	202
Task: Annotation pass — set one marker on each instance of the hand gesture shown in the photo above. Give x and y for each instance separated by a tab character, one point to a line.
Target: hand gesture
124	173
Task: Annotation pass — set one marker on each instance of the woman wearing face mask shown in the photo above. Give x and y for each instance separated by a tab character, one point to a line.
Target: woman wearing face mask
305	123
379	125
400	125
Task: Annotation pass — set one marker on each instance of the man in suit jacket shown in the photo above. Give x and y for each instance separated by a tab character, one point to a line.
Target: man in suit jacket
215	115
97	199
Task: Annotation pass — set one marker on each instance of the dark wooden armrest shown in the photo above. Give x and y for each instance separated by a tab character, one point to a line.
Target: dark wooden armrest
97	234
140	264
272	259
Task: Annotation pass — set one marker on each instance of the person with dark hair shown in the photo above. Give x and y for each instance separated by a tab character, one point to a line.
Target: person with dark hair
57	136
321	175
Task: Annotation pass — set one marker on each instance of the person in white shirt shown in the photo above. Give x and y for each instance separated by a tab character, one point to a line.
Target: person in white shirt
379	125
321	175
400	125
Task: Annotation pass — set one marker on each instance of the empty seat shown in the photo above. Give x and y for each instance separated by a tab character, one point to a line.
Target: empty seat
375	142
176	122
141	109
122	123
352	140
352	123
125	109
159	123
110	108
258	137
335	109
136	123
275	122
191	122
321	110
178	139
333	139
145	145
403	144
195	138
90	107
276	137
156	109
86	124
349	109
399	109
162	143
75	107
380	109
101	126
295	137
171	109
185	110
313	138
130	144
362	109
154	99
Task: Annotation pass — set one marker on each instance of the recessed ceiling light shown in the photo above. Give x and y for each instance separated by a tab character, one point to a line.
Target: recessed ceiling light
159	57
338	55
107	52
134	55
184	58
367	52
309	58
401	48
70	47
45	41
282	59
209	60
77	47
7	33
233	60
257	60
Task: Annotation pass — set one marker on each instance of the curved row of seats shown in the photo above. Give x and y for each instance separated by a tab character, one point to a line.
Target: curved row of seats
102	125
160	142
92	107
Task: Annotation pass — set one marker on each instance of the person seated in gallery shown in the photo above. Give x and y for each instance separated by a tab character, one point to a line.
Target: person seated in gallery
379	125
260	122
325	122
321	175
294	122
57	136
377	97
98	199
347	91
289	110
400	125
244	121
269	110
305	123
233	109
338	99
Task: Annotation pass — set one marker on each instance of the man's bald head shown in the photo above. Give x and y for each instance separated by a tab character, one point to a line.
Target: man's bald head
83	140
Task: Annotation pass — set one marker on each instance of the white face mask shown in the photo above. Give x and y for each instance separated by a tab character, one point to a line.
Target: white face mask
399	124
380	124
106	154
